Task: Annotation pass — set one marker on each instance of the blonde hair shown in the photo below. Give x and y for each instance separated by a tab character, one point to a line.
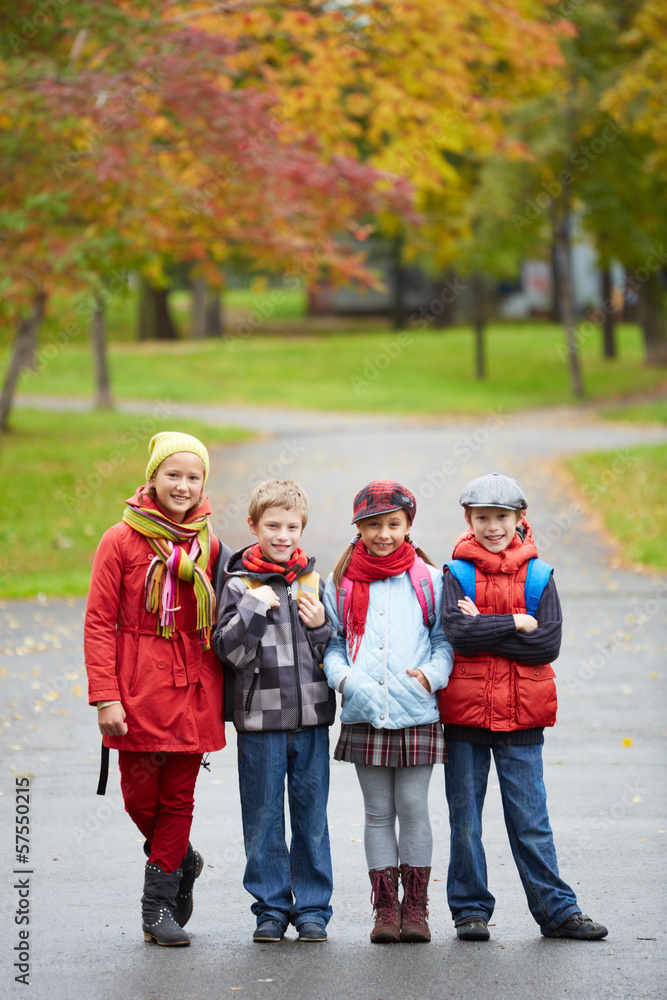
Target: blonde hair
283	493
346	556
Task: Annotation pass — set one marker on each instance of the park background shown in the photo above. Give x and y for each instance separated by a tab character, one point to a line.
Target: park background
336	240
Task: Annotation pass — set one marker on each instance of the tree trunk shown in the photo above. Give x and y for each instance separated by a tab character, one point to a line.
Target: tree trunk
398	285
446	292
165	328
199	290
215	321
103	400
155	321
22	357
479	322
652	318
567	295
609	319
556	291
145	315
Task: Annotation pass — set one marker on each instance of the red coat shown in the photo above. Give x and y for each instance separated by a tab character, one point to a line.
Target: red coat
171	689
490	691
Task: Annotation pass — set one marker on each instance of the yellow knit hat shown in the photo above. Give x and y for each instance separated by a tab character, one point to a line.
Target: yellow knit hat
167	443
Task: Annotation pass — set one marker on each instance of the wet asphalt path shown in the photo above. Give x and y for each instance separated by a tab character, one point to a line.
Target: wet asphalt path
605	760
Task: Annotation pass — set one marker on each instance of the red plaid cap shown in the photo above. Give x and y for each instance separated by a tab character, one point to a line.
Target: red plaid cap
382	496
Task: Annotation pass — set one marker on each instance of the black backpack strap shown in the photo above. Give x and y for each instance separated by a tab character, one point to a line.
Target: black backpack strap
104	770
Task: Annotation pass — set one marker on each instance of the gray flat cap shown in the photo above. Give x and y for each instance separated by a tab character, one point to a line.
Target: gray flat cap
493	490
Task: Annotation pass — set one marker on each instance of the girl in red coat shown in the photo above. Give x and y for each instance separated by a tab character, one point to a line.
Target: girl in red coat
152	674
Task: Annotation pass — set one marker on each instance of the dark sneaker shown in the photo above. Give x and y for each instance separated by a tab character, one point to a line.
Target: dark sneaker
312	932
473	929
269	930
579	926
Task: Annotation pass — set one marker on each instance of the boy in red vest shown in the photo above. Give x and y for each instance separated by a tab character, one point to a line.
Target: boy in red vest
500	696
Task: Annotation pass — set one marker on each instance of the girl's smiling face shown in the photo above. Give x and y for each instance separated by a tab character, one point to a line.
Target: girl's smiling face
179	482
382	534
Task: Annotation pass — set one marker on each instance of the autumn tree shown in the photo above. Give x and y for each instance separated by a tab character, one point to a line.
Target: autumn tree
148	151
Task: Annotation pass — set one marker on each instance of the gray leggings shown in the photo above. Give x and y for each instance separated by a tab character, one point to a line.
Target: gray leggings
391	793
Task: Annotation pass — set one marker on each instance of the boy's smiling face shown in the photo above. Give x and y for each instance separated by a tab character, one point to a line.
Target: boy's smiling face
278	532
493	527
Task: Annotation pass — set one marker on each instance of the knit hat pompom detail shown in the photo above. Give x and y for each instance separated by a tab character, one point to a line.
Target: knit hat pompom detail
168	443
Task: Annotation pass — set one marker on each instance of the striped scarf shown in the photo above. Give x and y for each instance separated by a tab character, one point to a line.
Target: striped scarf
172	563
254	560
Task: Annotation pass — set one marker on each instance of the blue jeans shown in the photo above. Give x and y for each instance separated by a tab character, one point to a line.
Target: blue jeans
290	884
524	798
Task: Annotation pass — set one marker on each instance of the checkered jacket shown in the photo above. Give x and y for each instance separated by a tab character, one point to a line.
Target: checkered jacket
278	681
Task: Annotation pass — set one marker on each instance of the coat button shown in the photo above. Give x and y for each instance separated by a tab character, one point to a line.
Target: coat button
380	682
382	612
160	664
381	646
536	672
382	717
462	670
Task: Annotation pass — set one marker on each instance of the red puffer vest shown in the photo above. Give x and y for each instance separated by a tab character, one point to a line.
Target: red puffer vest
489	691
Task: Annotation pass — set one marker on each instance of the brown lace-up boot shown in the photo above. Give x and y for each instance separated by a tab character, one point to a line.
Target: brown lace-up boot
384	899
414	908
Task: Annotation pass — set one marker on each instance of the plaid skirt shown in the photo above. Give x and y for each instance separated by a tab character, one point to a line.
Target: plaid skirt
361	743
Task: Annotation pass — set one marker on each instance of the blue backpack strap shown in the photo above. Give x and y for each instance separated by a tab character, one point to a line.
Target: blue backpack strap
463	570
423	585
537	577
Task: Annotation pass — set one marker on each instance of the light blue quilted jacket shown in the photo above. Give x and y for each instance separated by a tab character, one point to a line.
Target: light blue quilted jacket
377	688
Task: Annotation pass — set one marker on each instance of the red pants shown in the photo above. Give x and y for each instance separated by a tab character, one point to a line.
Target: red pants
159	794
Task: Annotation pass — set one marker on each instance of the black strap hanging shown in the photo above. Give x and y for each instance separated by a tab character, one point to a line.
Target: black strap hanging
104	771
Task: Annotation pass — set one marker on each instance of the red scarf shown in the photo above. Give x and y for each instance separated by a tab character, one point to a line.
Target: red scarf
363	570
254	560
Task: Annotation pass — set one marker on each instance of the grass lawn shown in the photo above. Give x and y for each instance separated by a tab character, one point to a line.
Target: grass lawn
412	372
70	474
632	504
653	412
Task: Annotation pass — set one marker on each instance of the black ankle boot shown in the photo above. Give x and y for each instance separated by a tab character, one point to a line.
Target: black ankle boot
191	866
157	905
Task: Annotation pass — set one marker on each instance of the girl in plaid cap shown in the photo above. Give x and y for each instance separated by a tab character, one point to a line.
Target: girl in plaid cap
388	655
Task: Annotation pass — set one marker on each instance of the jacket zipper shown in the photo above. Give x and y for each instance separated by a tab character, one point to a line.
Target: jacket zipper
251	691
297	679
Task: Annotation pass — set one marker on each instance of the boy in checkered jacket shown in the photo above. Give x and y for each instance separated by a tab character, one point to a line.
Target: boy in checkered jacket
273	632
